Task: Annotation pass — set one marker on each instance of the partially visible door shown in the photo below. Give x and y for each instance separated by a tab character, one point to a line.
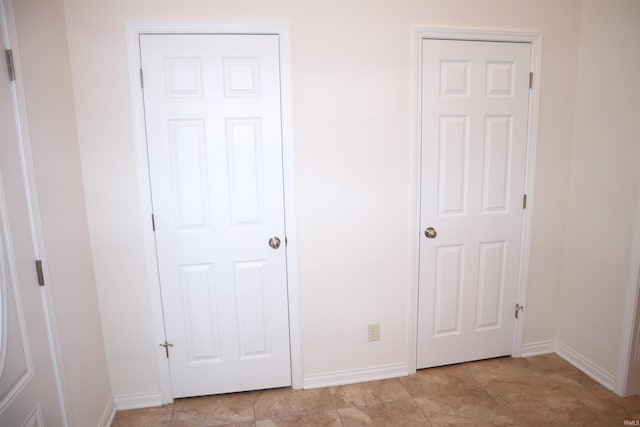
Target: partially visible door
475	99
633	375
212	106
629	371
28	394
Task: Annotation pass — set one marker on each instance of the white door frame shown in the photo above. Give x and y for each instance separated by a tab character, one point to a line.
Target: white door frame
631	310
144	185
418	34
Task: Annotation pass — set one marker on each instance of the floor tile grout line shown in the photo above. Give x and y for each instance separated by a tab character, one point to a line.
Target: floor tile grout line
481	386
397	379
253	404
412	398
421	411
382	402
292	414
335	407
485	388
500	404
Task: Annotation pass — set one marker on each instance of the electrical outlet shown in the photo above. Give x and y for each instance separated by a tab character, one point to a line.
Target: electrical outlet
374	332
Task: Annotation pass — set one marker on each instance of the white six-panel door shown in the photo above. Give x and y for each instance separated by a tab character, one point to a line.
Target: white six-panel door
212	106
474	100
28	393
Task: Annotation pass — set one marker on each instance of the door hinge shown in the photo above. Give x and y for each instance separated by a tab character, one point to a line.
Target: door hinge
166	346
524	201
39	272
530	80
519	308
153	222
8	54
141	79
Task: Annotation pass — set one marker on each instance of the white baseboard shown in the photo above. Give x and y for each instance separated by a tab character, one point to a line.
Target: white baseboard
136	401
108	414
573	357
355	376
586	366
538	348
381	373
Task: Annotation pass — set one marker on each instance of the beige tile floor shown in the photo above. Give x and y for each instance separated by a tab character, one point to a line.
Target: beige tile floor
537	391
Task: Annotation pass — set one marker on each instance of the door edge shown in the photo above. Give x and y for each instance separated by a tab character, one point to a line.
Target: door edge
418	34
630	329
134	31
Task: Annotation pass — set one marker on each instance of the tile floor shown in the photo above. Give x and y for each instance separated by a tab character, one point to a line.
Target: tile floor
537	391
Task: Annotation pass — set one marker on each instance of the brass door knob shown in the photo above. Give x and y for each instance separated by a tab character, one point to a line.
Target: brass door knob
274	242
431	233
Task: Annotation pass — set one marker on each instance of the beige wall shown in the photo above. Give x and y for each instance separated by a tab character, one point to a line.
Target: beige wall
42	43
605	170
351	84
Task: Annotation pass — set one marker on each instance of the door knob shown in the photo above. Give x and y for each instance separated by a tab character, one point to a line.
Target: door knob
274	242
430	232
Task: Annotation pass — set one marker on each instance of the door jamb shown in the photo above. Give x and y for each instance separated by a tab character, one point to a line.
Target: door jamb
417	35
134	30
628	335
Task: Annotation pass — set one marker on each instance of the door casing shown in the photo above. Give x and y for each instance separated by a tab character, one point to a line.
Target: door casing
630	332
419	34
144	187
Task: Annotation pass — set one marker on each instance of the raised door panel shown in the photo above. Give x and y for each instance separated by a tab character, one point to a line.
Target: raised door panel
199	305
497	163
449	272
454	152
244	148
251	309
189	170
490	285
